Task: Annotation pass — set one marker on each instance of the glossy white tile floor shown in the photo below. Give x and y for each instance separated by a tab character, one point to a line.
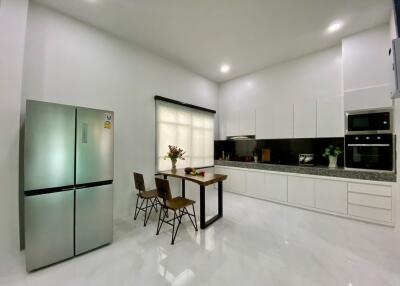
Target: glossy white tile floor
256	243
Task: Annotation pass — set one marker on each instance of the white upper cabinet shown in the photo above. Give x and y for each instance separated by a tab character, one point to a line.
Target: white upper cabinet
282	120
368	77
366	60
305	117
264	123
247	122
241	122
330	117
232	123
367	98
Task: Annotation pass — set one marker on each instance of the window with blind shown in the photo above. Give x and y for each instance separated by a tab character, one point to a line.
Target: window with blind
185	127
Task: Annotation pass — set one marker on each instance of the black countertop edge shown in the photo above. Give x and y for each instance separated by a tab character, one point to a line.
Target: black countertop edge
316	170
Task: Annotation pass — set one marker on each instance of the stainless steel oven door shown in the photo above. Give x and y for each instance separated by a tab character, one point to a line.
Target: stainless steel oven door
372	152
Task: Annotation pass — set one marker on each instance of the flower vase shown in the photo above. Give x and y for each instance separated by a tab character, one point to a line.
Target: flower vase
173	161
332	162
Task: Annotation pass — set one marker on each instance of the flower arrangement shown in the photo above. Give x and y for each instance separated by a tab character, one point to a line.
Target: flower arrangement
332	153
174	153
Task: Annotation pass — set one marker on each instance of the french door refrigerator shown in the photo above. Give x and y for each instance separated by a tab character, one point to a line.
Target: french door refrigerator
68	181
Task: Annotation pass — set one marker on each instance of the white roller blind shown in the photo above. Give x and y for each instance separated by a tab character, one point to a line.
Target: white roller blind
188	128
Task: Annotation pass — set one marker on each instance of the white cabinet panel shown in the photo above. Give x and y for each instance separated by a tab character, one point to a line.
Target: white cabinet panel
282	120
247	122
237	182
305	119
370	189
331	196
368	98
255	184
370	201
365	59
224	171
264	123
330	117
232	124
370	213
276	187
301	191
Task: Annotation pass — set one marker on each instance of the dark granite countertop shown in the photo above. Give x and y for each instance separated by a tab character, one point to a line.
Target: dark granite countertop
316	170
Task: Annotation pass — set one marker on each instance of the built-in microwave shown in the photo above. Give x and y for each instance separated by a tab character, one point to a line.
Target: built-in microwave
370	152
378	121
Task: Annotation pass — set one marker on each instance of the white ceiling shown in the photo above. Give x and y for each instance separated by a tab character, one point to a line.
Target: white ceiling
247	34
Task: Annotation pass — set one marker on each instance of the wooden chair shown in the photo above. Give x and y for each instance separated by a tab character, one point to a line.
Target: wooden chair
150	197
177	204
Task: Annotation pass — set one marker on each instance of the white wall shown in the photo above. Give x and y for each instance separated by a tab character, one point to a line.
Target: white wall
69	62
12	30
311	77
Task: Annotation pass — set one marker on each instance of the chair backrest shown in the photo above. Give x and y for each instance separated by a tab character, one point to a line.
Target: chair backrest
139	182
163	190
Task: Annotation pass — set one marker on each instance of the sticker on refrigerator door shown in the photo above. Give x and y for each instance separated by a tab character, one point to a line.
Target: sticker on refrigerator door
84	132
107	120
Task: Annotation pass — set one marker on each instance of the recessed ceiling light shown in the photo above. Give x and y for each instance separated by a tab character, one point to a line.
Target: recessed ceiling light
335	26
225	68
90	1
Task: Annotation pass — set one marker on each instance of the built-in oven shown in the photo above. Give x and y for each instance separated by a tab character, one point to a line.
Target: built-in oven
370	152
378	121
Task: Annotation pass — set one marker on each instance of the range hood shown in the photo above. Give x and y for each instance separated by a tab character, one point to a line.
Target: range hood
242	137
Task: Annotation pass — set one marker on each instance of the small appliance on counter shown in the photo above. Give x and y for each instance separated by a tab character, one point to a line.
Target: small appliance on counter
266	155
306	160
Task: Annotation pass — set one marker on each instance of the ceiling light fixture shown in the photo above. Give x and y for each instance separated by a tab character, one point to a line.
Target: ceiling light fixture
335	26
225	68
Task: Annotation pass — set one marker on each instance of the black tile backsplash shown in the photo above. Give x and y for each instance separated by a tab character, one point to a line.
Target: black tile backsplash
283	151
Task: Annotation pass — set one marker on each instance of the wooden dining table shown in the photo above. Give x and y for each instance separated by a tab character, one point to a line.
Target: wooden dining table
202	181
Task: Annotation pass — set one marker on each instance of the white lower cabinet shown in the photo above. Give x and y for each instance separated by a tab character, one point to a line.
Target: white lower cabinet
255	184
370	213
331	196
276	187
373	202
237	181
364	201
301	191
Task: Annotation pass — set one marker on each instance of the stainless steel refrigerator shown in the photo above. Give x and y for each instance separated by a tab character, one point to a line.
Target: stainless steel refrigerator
68	181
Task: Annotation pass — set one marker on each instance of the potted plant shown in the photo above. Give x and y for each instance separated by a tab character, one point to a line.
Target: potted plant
332	153
174	153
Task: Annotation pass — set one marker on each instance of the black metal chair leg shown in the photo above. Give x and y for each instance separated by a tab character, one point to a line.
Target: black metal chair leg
151	208
160	221
194	223
136	206
145	212
195	220
138	209
177	228
173	229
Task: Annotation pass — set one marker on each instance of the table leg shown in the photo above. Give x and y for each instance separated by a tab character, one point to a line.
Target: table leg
183	189
220	199
165	177
202	207
203	222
